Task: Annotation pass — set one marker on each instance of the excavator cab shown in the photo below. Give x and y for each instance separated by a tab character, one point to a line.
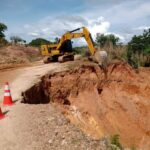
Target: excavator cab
66	46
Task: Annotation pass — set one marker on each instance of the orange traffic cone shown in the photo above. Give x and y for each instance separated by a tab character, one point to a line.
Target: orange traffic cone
7	96
1	114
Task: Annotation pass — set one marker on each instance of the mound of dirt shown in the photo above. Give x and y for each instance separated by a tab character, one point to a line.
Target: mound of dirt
19	54
99	106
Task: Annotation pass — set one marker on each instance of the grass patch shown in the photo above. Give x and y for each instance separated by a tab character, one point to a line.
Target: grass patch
115	143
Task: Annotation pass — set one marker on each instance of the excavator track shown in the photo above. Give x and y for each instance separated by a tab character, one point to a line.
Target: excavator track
46	59
66	57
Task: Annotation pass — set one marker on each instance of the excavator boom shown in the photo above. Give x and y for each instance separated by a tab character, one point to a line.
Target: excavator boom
71	35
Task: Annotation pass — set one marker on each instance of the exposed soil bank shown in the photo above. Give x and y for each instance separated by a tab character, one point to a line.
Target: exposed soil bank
100	107
14	56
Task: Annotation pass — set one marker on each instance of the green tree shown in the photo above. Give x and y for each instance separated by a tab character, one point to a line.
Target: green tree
105	39
56	40
24	41
16	39
3	27
38	42
139	45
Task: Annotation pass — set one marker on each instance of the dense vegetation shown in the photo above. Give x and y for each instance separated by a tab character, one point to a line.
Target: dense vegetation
17	39
3	28
136	52
105	39
38	42
139	49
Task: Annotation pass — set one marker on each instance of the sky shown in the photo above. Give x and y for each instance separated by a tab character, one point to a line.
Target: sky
30	19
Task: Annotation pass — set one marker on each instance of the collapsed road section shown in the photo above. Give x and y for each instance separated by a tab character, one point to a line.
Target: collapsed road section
99	106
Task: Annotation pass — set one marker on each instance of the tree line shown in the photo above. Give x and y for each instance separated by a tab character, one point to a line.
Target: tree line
18	40
137	50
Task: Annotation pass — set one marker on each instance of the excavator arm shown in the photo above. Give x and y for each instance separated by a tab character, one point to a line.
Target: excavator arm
71	35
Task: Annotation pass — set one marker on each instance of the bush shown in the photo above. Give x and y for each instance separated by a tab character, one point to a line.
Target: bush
115	53
115	144
38	42
83	51
105	39
3	28
139	49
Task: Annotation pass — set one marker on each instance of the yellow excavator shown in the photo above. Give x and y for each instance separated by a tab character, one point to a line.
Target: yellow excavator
62	50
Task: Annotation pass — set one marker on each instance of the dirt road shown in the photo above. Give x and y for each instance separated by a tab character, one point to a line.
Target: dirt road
22	78
37	127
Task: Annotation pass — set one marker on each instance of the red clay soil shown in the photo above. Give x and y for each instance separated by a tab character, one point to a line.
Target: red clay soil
17	55
102	107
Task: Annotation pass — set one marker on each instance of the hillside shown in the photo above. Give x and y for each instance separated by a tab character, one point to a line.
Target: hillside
17	55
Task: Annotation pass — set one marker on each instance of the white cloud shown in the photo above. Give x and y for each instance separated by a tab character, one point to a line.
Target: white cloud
33	34
142	28
120	17
26	26
45	30
50	28
99	25
122	38
125	11
55	27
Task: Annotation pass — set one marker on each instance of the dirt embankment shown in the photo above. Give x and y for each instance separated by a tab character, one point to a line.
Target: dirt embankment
101	107
13	56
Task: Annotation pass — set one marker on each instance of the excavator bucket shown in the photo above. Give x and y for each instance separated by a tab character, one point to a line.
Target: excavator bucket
101	58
